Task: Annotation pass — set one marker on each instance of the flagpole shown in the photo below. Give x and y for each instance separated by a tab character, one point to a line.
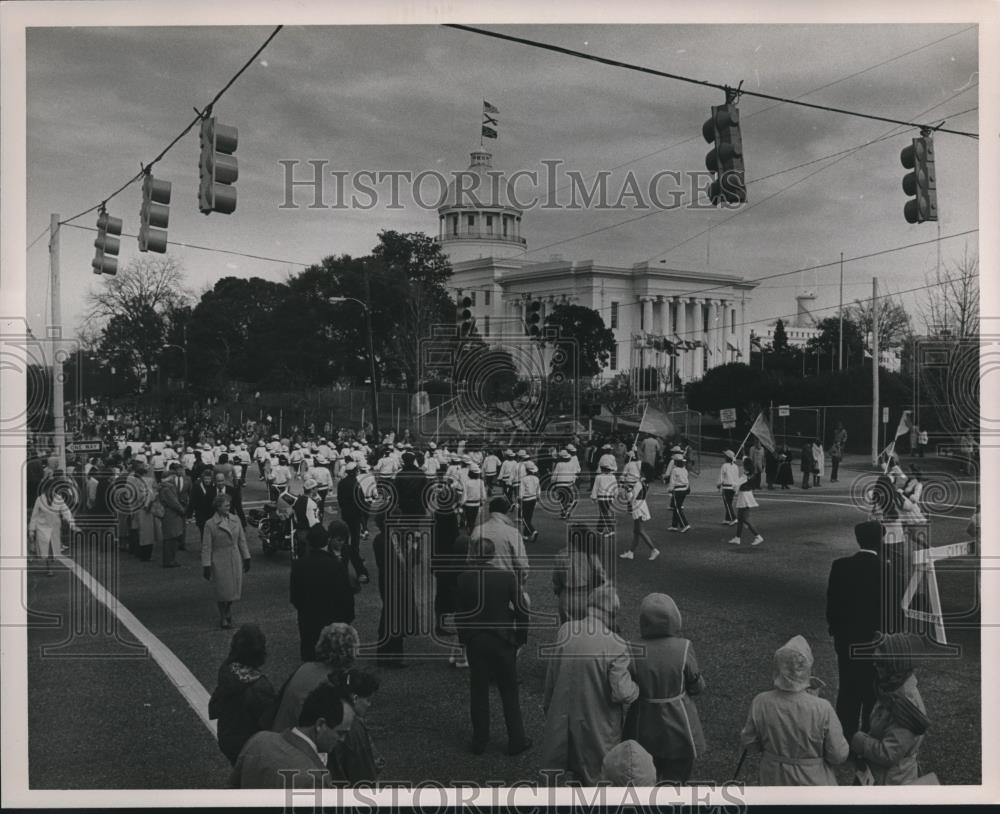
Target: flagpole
635	443
748	434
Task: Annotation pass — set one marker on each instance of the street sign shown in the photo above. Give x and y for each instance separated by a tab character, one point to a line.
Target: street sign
727	415
885	415
784	411
85	446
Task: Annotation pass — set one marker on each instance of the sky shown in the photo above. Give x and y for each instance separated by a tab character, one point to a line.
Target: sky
103	100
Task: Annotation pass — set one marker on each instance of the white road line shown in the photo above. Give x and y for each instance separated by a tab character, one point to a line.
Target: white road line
854	506
180	676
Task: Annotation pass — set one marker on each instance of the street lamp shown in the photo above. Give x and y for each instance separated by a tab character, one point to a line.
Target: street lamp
183	350
371	355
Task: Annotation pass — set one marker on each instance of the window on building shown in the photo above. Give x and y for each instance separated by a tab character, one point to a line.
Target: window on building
472	296
614	315
486	326
487	297
614	357
505	222
472	221
489	224
454	224
732	321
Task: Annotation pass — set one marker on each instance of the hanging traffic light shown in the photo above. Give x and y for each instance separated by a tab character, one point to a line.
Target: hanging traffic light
219	168
725	159
106	259
533	318
154	215
464	316
922	181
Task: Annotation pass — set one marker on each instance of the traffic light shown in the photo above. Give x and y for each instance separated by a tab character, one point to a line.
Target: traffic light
106	259
725	159
921	182
464	316
532	318
154	215
219	168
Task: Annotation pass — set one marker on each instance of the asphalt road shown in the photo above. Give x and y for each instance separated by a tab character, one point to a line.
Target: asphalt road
739	605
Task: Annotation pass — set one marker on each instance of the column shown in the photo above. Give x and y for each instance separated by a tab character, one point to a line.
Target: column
718	349
680	327
660	320
724	338
698	335
647	314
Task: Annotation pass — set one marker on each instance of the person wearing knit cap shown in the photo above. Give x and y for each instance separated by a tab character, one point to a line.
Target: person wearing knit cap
587	690
664	719
853	616
899	720
729	477
628	764
603	493
797	731
679	487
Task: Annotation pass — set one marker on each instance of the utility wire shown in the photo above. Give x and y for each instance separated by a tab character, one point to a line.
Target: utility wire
204	112
42	234
680	78
209	248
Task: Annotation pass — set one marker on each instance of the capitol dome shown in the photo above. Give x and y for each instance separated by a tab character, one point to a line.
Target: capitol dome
477	218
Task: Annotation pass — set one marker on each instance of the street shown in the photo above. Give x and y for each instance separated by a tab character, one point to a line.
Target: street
738	604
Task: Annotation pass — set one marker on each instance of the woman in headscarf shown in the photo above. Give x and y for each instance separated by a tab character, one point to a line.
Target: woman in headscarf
243	698
797	731
899	719
665	720
336	650
578	572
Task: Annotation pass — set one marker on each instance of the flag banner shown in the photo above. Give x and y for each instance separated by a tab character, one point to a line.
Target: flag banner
656	422
489	132
762	431
487	119
755	342
488	108
904	424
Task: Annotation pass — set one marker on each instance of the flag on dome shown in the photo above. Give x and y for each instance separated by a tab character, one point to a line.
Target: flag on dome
489	121
489	132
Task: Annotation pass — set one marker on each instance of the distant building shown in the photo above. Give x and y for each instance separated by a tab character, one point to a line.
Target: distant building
677	321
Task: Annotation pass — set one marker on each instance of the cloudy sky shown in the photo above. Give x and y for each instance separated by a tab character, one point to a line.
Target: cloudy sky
100	100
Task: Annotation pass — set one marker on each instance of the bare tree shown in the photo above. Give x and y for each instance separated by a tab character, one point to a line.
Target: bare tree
952	303
146	282
894	328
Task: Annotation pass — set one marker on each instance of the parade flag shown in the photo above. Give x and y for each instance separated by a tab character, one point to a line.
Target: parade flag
489	132
656	422
905	424
488	108
761	430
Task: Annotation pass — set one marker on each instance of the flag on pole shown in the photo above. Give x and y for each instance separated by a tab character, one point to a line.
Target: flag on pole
905	424
488	108
761	430
489	132
656	422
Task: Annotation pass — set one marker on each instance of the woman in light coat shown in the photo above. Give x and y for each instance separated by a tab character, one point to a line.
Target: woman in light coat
225	557
797	731
47	517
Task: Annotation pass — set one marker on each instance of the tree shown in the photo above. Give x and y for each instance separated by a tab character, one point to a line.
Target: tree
618	396
133	310
779	344
952	305
893	322
585	344
827	343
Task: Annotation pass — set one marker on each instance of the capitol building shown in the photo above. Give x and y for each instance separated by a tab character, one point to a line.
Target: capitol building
680	322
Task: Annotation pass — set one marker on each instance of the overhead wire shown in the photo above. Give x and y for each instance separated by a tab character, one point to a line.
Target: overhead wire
201	114
702	82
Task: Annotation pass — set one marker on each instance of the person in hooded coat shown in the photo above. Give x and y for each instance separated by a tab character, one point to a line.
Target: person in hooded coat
665	720
587	690
899	720
797	731
628	764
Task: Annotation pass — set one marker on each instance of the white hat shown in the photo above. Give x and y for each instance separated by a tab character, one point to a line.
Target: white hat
729	454
522	453
564	453
570	447
473	469
351	466
530	466
432	445
309	484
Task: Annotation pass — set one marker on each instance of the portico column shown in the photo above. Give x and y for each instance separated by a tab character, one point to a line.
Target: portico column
698	335
680	326
718	350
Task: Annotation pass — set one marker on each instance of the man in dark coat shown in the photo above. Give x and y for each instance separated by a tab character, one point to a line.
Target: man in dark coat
410	483
200	506
854	615
807	465
321	588
174	511
492	624
353	510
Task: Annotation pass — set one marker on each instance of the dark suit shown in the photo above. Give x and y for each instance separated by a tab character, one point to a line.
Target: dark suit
200	507
321	593
854	614
351	502
491	632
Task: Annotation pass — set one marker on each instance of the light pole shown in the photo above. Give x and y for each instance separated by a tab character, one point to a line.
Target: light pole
371	354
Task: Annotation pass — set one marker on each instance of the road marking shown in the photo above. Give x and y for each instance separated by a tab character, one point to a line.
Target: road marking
180	676
854	506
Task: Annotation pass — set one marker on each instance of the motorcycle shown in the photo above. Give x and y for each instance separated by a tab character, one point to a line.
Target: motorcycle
274	524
